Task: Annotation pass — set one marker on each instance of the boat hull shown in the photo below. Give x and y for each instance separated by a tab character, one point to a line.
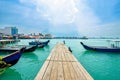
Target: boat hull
11	59
39	43
31	49
100	49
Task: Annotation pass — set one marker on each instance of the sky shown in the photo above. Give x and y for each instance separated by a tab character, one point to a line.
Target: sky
92	18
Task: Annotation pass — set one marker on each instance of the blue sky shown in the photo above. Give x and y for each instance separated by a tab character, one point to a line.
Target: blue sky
62	17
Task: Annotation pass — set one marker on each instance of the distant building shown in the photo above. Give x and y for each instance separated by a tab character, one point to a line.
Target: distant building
40	34
48	36
1	35
9	31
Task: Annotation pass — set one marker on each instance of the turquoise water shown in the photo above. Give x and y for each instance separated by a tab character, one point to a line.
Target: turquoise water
100	65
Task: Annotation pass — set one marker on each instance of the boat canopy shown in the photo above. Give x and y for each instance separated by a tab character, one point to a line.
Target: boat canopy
114	43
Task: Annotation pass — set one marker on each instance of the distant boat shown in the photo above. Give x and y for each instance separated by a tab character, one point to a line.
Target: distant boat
101	48
10	60
39	43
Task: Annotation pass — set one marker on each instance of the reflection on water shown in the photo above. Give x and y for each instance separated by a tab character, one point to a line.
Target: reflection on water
101	65
47	46
30	55
10	74
41	49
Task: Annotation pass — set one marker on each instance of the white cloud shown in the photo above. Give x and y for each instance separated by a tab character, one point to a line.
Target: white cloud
86	20
60	12
103	30
110	29
56	11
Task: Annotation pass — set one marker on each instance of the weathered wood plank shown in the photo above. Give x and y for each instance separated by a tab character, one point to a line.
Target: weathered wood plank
79	74
48	71
60	71
54	71
62	65
63	56
85	73
72	71
42	71
67	75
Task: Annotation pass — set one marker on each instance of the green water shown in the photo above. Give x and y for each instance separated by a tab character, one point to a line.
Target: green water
100	65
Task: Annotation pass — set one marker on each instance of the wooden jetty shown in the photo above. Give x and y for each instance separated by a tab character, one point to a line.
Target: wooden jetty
62	65
7	41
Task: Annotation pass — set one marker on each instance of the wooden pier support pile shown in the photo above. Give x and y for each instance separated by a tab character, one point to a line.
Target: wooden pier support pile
62	65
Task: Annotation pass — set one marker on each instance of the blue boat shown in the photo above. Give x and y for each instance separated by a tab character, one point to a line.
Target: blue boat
39	43
11	59
102	48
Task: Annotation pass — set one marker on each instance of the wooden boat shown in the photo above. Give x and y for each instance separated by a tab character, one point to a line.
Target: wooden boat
101	49
29	48
39	43
10	59
41	46
9	49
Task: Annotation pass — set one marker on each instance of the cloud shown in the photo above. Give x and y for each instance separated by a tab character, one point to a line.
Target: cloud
109	29
56	11
104	30
65	12
60	17
86	20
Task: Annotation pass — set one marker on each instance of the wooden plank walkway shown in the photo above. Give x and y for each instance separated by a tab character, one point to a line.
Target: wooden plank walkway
62	65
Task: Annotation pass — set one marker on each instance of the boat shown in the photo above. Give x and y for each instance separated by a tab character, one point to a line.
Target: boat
39	43
28	48
41	46
102	48
10	60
